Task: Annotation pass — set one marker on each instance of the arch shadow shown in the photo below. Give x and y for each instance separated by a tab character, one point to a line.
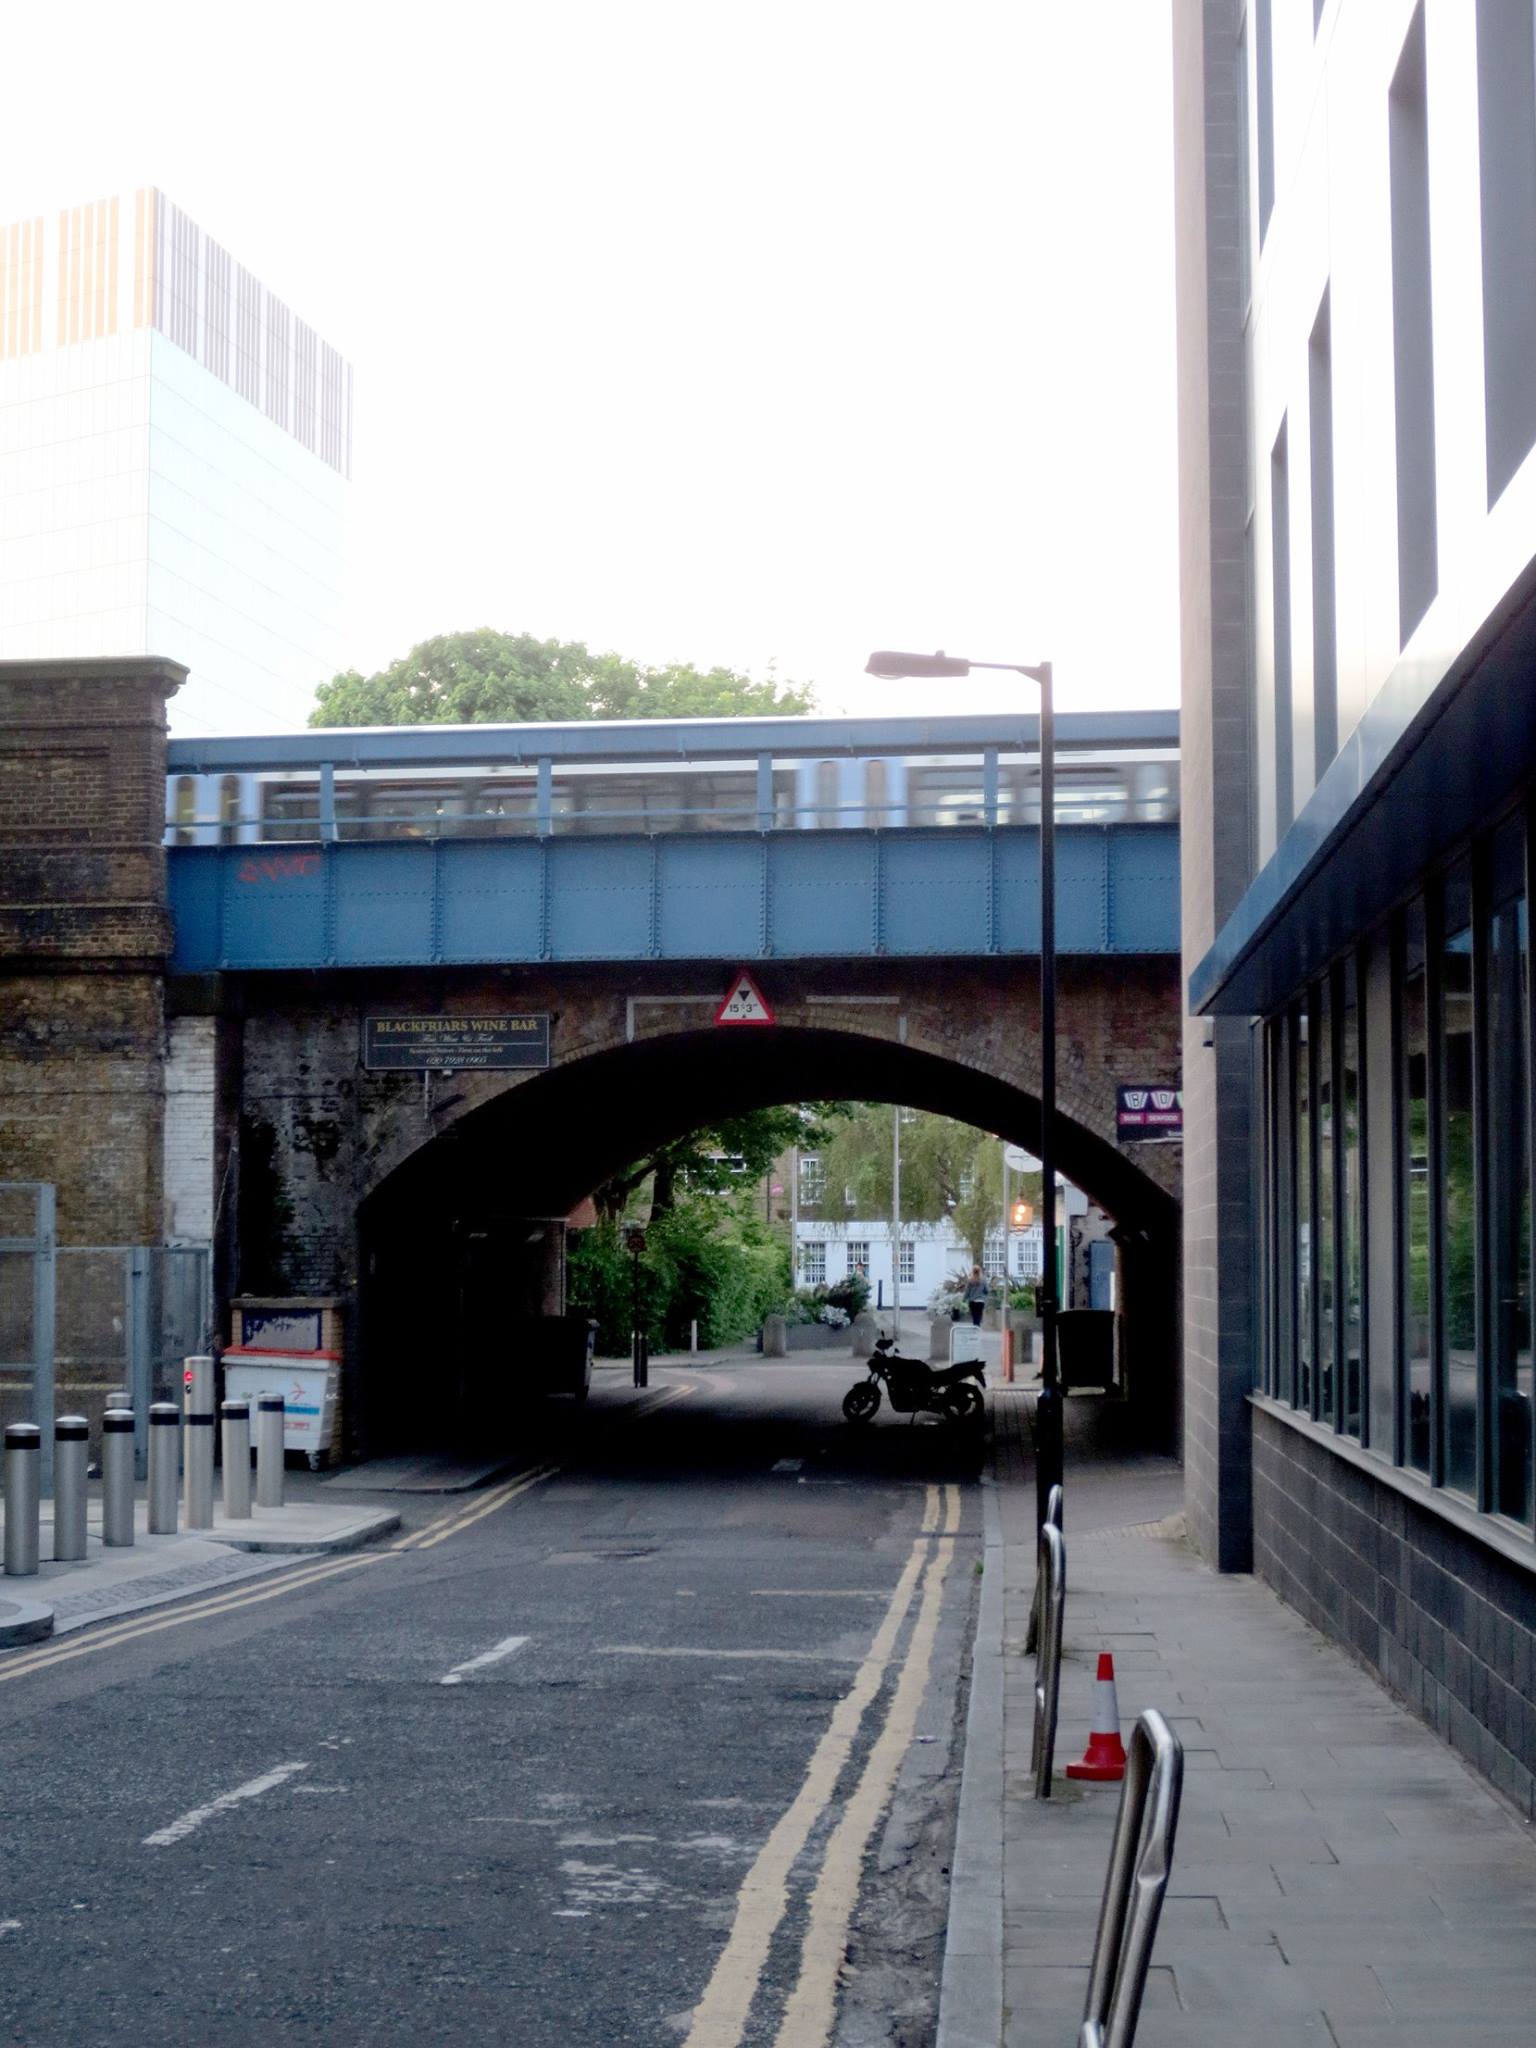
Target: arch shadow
538	1149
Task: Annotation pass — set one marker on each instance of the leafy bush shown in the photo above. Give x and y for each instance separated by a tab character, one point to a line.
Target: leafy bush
701	1262
850	1294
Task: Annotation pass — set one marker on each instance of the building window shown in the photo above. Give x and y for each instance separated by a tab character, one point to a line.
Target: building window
813	1179
906	1267
1349	1116
992	1255
1414	1184
813	1264
1264	123
1506	108
184	810
1280	585
1508	1054
1325	1237
1305	1212
1325	663
1398	1193
858	1257
1412	333
1457	1187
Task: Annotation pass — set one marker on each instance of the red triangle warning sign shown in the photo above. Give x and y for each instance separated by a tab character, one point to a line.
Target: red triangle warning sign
746	1003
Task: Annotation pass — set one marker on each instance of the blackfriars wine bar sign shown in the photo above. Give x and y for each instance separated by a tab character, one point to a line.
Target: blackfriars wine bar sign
419	1045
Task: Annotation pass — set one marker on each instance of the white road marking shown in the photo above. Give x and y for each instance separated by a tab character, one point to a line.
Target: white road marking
818	1593
9	1926
253	1788
493	1655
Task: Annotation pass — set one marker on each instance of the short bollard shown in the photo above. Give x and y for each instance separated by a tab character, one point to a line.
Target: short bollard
23	1456
163	1447
199	1471
117	1477
269	1451
71	1449
237	1461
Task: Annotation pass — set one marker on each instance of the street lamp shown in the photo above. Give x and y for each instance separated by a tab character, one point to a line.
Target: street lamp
1048	1418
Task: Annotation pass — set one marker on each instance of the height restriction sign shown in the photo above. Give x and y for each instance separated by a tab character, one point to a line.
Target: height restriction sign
745	1004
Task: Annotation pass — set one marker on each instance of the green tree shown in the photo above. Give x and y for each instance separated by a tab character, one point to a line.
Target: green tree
487	677
947	1169
705	1161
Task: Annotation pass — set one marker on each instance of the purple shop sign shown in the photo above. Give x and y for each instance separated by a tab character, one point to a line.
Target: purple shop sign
1148	1115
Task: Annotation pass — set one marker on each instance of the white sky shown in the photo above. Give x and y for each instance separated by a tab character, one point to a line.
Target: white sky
702	330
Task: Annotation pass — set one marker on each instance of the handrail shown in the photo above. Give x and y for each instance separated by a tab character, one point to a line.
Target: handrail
1140	1859
1053	1516
1053	1565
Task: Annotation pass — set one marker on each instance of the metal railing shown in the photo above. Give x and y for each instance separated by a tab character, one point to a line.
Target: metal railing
1140	1859
1053	1574
1053	1516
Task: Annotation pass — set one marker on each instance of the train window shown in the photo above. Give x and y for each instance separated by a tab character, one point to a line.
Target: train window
184	810
875	790
826	793
229	810
947	795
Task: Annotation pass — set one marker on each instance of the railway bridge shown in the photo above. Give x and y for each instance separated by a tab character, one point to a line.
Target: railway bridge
222	1038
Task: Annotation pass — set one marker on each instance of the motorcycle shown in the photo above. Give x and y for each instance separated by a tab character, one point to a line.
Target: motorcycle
913	1388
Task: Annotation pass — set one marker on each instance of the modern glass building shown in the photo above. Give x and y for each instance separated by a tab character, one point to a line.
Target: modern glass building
1356	198
174	452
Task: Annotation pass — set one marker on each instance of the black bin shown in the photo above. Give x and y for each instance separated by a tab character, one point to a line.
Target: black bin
1085	1348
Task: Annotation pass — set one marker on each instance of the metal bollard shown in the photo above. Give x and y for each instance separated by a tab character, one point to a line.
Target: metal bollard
23	1483
71	1448
199	1384
117	1477
199	1471
163	1448
237	1461
269	1450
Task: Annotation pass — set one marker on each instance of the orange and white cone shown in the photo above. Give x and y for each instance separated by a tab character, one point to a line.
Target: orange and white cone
1104	1758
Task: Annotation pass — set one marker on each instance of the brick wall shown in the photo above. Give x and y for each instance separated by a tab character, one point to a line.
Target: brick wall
1439	1615
190	1064
84	936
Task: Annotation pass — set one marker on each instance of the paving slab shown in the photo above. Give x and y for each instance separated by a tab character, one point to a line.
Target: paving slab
1341	1875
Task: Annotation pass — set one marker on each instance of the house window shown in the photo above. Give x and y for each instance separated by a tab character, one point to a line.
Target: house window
858	1256
992	1255
906	1268
813	1179
813	1264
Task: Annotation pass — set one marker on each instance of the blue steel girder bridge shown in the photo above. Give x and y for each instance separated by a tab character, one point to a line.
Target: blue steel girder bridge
725	839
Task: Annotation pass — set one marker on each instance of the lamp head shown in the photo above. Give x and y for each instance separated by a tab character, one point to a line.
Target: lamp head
891	665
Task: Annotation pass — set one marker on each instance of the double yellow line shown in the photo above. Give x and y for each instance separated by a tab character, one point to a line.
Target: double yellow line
450	1523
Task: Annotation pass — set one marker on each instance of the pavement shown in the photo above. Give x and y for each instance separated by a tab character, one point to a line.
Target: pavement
1339	1877
155	1569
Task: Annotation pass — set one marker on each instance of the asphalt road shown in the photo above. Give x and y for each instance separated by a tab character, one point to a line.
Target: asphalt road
657	1742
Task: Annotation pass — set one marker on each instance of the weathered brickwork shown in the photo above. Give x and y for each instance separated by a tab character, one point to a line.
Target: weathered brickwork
84	937
1443	1618
190	1082
318	1135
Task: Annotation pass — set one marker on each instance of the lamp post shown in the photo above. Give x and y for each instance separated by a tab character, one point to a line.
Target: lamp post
1048	1416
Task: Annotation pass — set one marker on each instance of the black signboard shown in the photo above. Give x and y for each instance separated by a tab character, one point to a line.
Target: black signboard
1145	1114
419	1045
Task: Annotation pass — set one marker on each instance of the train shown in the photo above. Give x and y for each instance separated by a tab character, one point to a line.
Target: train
1102	786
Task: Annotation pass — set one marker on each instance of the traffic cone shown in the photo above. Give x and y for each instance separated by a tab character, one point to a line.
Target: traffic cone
1104	1758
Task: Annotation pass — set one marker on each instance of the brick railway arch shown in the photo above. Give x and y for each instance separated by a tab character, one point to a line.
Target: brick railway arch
528	1148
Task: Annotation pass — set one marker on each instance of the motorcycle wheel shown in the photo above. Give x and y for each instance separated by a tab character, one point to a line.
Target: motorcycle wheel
860	1402
964	1402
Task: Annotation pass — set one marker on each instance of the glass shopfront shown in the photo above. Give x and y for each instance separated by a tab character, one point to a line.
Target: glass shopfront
1398	1197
